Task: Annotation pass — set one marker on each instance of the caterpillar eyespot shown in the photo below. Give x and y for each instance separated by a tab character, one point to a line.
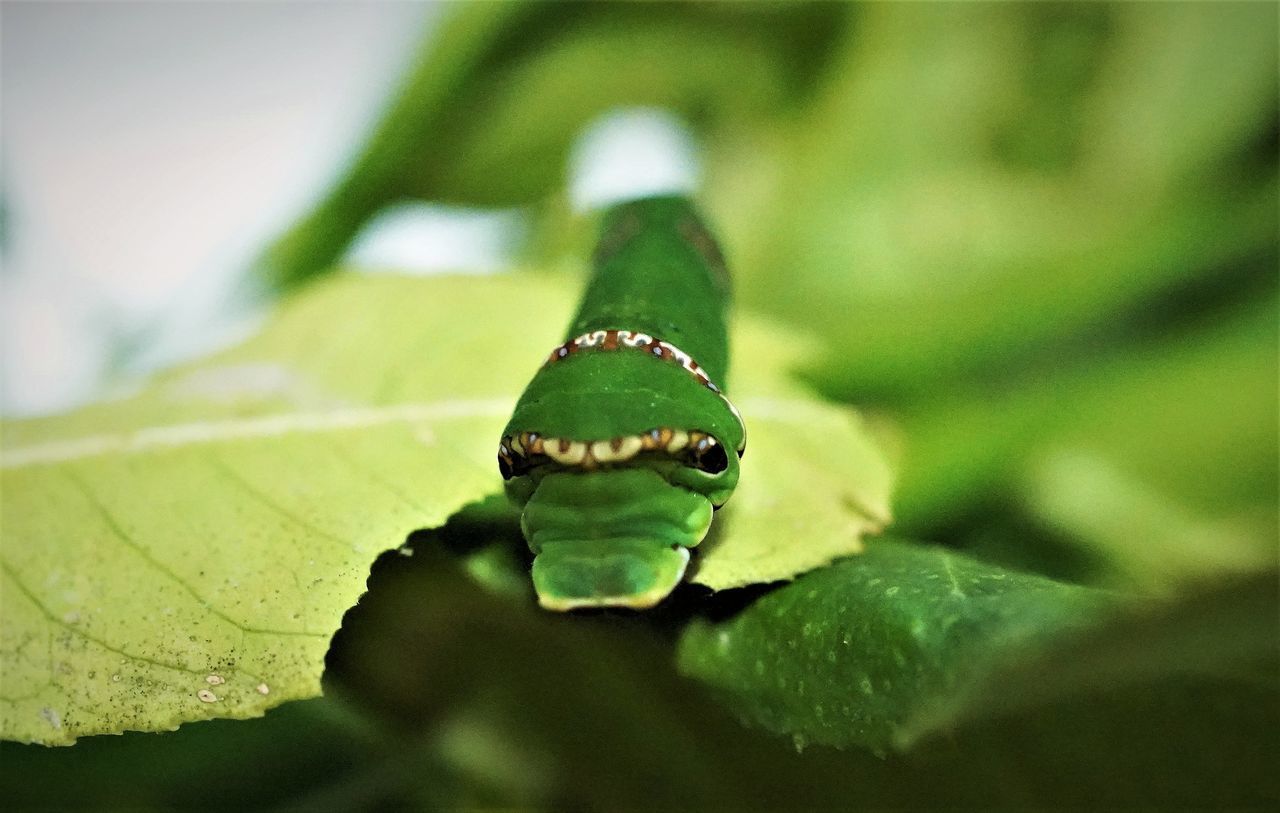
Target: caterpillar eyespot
616	453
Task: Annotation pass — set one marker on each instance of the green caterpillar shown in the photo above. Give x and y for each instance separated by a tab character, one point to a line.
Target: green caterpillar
623	443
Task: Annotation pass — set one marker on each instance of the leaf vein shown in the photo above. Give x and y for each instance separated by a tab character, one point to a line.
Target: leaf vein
256	493
955	583
118	531
53	619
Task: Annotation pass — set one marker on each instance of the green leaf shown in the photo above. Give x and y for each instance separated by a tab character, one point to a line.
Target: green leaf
853	652
187	552
813	483
1149	645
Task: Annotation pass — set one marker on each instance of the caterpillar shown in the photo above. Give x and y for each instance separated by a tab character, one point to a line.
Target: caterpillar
624	442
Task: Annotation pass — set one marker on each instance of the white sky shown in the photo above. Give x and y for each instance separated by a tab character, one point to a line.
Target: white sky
151	150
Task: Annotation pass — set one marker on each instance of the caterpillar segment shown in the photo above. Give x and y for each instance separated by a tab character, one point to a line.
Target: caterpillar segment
618	450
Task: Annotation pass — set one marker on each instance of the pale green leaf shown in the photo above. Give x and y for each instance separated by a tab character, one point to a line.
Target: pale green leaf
813	483
187	552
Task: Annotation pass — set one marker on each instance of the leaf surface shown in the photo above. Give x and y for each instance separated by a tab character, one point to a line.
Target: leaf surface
850	654
187	552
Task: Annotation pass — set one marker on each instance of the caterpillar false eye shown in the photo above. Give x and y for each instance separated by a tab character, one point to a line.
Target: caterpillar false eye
609	449
713	459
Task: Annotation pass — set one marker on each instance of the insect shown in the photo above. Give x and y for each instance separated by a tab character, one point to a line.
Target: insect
624	443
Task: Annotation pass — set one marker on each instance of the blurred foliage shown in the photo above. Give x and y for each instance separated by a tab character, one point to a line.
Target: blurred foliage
1040	240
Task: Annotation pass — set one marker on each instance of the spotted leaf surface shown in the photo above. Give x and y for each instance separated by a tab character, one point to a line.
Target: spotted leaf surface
187	552
868	650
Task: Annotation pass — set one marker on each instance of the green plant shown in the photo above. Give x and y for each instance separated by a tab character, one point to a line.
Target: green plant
1034	245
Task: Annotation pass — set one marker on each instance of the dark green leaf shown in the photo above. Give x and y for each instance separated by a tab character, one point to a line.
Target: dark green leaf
850	654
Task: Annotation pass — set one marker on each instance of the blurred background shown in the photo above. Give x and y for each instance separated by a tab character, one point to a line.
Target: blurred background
150	150
1039	242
